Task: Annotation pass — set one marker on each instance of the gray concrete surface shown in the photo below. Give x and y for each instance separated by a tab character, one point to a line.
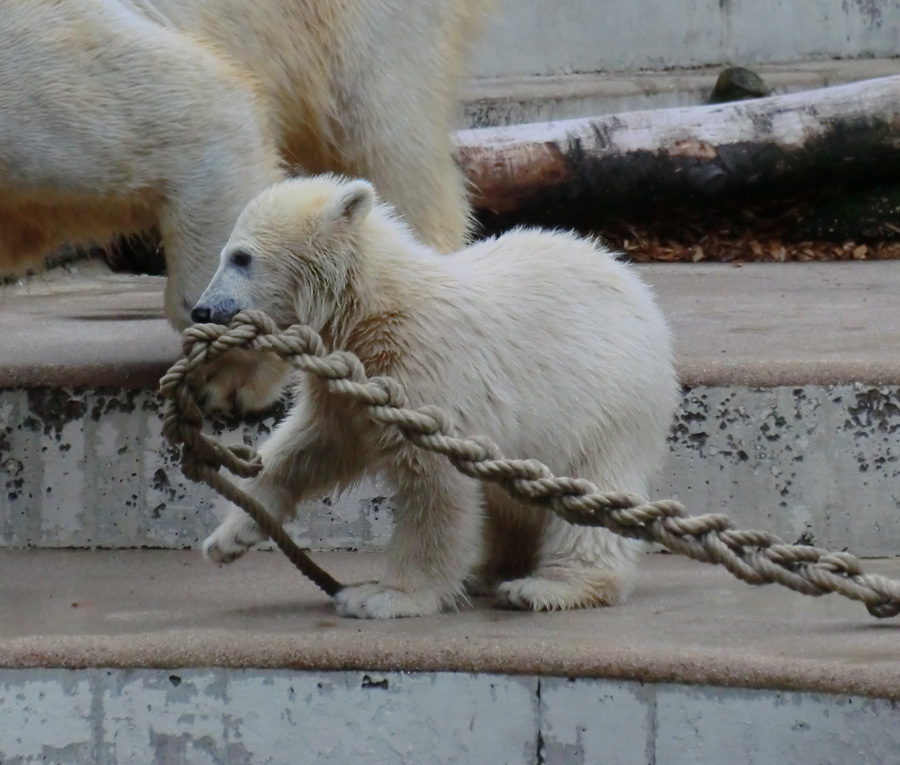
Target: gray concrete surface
686	623
768	324
276	717
91	330
756	324
818	463
531	37
772	431
514	99
139	656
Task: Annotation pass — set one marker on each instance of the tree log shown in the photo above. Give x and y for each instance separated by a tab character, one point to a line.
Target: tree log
836	135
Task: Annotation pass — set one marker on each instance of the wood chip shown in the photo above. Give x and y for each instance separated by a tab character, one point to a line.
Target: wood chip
732	232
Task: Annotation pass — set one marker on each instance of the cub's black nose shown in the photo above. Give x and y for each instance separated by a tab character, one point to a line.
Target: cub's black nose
200	314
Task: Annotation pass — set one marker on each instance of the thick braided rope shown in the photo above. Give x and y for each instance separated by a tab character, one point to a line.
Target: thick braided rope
756	557
201	456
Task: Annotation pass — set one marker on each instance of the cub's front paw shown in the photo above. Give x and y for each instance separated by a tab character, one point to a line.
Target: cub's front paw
232	539
378	601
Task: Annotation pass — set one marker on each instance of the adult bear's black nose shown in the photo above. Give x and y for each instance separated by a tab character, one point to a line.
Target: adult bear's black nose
201	314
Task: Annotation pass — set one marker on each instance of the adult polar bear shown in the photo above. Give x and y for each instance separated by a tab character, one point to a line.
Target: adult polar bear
120	115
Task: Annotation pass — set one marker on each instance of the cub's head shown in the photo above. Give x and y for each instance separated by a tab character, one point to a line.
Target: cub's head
291	252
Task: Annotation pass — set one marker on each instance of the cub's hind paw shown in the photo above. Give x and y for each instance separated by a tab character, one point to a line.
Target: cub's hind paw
378	601
537	593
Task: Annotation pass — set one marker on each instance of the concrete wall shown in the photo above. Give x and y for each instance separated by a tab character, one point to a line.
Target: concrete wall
531	37
207	717
82	469
814	463
92	469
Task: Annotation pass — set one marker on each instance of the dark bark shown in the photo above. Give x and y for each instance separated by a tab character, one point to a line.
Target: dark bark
840	136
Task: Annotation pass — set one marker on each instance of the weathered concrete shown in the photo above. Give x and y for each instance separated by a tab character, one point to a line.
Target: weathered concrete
229	717
514	99
685	623
818	463
592	721
769	432
756	324
226	717
548	37
90	468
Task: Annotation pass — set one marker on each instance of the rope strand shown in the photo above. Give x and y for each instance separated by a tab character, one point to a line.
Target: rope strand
755	557
202	457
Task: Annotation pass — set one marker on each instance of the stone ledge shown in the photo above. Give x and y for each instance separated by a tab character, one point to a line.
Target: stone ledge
765	324
686	623
512	99
85	331
758	325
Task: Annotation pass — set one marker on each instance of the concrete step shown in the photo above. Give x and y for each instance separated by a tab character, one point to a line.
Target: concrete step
789	420
546	37
516	98
154	656
544	60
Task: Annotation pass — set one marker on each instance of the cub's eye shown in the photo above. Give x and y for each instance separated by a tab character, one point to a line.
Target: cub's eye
240	258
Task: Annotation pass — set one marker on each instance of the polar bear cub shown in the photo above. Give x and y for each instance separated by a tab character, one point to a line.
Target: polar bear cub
541	341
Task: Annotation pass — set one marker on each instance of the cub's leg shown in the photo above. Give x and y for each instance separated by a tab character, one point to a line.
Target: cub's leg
575	567
512	541
435	543
300	461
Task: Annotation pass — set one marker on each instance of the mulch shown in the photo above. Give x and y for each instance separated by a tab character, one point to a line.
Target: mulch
798	229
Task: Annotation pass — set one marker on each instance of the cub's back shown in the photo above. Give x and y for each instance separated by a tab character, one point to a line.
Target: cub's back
546	278
547	343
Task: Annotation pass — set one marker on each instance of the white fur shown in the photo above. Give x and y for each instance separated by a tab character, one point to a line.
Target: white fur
120	115
541	341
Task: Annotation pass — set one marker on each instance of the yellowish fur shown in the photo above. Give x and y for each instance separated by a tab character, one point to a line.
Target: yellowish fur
542	341
120	115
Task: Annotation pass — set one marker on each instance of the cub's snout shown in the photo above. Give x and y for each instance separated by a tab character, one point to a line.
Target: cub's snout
215	312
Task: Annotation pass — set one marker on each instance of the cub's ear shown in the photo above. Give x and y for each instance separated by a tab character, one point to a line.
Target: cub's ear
353	202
